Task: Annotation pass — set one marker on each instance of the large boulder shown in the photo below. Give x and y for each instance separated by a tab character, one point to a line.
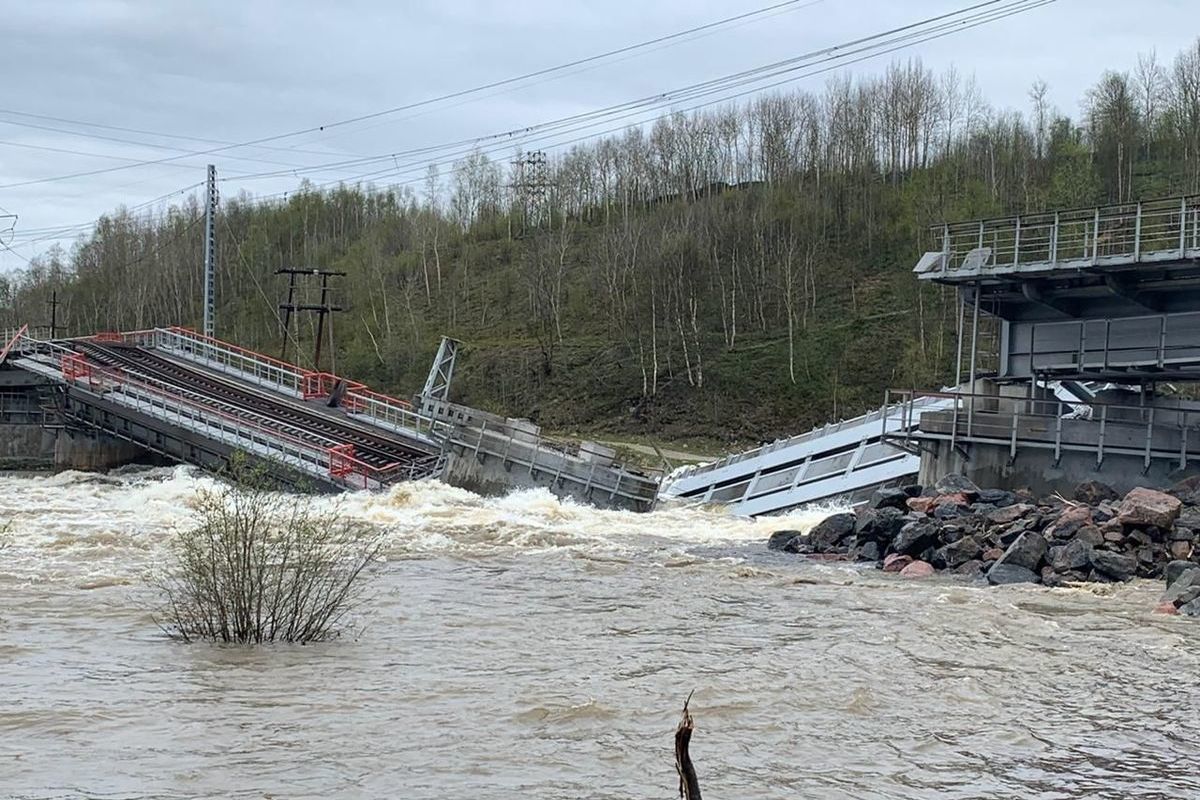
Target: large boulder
781	539
956	484
1094	493
1116	566
829	534
1147	507
890	498
1187	490
1185	589
868	551
917	569
1075	554
958	553
1177	569
1069	521
878	524
915	538
1027	550
1002	574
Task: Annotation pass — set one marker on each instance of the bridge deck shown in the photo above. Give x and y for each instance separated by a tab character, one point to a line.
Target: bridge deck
312	420
200	400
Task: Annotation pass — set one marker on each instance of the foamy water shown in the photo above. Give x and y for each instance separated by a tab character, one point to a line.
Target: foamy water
113	526
528	647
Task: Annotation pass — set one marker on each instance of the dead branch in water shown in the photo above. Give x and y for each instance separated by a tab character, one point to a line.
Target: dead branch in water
689	787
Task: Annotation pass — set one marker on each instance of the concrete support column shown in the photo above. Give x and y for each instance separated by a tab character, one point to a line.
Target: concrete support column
94	452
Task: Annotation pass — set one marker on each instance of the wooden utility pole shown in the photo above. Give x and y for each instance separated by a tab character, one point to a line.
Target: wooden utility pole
322	309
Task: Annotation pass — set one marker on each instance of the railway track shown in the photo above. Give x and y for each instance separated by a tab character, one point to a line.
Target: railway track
377	450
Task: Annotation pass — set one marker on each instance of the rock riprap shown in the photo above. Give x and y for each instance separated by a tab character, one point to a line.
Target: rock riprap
1008	537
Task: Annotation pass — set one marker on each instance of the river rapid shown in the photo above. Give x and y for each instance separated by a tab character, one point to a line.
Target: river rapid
524	647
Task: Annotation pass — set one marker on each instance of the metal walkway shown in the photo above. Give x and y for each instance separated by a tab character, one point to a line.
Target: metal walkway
199	400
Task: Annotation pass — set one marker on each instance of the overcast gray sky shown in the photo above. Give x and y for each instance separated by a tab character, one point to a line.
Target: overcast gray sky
236	71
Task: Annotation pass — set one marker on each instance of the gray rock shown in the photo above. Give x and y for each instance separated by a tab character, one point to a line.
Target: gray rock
1189	517
1114	565
915	538
956	484
996	497
869	551
1069	522
1027	550
878	524
831	531
890	498
1009	514
1002	574
1191	609
1094	493
958	553
972	569
950	511
1051	578
1075	554
1089	534
1184	590
1176	569
781	539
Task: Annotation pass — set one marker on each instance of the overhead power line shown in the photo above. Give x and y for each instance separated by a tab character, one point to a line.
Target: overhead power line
429	101
717	91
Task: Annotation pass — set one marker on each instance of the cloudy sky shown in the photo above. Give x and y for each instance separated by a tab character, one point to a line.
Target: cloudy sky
156	72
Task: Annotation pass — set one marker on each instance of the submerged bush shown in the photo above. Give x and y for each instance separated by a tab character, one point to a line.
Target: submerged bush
262	566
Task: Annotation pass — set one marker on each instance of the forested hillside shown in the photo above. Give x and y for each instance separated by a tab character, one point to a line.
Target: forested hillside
737	273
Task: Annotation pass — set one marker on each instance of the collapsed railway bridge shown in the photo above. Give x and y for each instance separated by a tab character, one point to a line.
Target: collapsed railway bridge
197	400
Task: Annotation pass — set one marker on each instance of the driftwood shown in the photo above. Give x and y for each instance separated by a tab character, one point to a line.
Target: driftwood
689	787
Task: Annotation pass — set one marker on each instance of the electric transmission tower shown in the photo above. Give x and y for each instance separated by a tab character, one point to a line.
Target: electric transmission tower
532	186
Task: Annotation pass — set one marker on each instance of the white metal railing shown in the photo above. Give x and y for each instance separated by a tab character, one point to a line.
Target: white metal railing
1152	230
1149	432
224	356
380	409
550	456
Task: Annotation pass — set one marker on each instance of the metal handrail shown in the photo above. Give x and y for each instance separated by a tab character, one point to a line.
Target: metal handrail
1151	230
385	409
213	417
229	356
595	480
358	399
969	422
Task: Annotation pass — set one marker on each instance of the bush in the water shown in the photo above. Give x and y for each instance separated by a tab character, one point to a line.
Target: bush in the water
262	566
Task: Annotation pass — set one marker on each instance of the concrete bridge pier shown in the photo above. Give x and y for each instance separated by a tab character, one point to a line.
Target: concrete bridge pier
93	451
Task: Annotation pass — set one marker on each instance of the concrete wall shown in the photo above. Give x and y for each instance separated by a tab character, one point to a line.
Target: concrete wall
26	447
989	467
93	451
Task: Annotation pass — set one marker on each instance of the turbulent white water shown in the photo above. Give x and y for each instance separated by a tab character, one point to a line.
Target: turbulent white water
529	647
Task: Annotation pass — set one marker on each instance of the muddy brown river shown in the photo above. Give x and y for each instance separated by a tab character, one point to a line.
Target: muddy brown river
526	648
